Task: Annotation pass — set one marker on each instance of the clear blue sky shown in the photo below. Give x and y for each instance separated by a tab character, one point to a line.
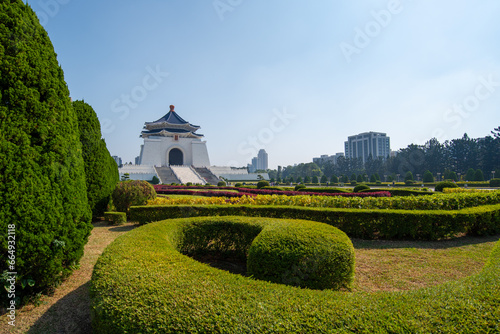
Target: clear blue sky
293	77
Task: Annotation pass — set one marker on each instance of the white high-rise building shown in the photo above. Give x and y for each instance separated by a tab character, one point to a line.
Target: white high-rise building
260	162
362	145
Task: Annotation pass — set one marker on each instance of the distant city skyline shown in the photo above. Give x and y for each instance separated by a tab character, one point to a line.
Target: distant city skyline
292	77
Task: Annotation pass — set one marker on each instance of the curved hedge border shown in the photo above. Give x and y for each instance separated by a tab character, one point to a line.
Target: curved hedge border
357	223
142	284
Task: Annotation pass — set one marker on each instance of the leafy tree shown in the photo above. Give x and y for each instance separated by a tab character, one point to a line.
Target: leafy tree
324	179
471	174
428	177
359	178
307	179
334	179
353	177
409	176
155	180
478	175
315	179
299	179
373	179
42	176
450	175
101	171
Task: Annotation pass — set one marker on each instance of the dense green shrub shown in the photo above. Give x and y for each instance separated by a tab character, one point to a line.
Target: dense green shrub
237	185
470	176
101	171
42	178
445	184
129	193
117	218
300	187
221	184
354	183
357	223
262	184
360	187
142	284
155	180
478	175
495	183
428	177
305	254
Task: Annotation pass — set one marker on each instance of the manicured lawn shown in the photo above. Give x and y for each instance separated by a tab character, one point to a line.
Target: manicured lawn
406	265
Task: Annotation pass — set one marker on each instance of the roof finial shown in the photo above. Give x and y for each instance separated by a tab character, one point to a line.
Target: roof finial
172	107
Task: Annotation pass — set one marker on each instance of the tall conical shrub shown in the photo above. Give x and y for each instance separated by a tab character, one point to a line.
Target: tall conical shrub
42	180
101	171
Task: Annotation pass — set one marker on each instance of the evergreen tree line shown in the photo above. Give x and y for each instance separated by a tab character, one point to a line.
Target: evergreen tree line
464	158
55	169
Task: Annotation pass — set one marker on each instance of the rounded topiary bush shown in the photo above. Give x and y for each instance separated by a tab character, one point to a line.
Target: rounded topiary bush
305	254
445	184
128	193
360	187
262	184
221	184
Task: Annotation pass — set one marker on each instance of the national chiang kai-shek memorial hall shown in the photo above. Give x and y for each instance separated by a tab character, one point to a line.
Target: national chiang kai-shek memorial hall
172	141
175	153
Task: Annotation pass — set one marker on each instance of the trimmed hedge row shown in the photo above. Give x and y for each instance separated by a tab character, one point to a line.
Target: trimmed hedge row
357	223
117	218
401	191
142	284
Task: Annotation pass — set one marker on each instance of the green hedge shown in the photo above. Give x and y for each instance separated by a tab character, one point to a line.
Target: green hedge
302	253
117	218
142	284
357	223
402	192
327	190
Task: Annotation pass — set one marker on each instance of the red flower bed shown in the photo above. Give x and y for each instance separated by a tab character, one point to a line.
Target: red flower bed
202	193
184	190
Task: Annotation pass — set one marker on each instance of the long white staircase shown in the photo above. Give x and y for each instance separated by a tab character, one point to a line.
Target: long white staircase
187	174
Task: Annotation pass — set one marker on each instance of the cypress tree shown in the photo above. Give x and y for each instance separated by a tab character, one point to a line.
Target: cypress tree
101	170
42	180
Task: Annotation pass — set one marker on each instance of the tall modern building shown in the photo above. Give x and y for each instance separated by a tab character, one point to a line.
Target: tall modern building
260	162
118	160
362	145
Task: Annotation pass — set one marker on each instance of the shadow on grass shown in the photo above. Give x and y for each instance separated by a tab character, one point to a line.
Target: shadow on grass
71	314
441	244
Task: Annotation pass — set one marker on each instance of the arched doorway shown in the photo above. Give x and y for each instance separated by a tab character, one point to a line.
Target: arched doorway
175	157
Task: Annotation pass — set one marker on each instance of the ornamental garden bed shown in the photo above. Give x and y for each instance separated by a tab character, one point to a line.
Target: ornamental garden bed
144	284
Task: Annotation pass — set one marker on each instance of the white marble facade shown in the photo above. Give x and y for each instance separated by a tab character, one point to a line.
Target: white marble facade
173	141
